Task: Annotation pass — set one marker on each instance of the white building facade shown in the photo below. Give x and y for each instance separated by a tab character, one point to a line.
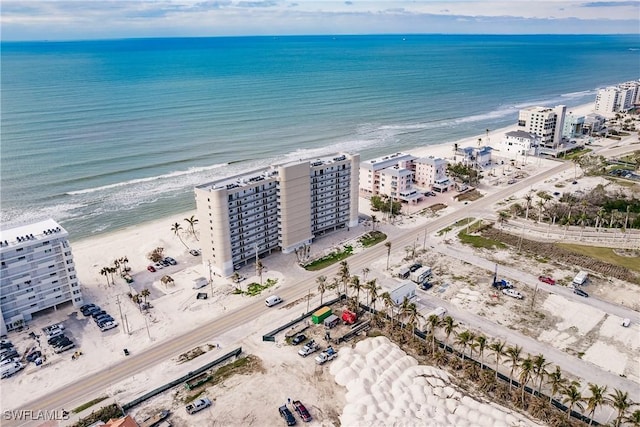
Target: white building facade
615	99
547	123
38	272
370	171
430	170
281	208
518	144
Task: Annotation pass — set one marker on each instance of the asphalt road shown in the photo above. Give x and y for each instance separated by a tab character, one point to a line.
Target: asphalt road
89	386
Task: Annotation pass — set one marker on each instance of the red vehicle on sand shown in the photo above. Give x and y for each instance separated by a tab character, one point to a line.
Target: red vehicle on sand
547	280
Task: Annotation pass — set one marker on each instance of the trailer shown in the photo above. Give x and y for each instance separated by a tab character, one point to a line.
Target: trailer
581	278
197	381
405	290
420	275
319	315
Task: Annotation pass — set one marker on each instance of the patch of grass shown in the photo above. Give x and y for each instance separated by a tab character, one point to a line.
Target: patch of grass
105	413
559	185
89	404
577	153
254	288
444	230
437	207
604	254
479	241
372	238
330	259
463	221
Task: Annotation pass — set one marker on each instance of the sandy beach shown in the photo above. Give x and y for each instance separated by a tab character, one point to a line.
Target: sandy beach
355	392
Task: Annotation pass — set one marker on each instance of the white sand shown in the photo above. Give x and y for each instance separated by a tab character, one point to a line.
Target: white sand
387	387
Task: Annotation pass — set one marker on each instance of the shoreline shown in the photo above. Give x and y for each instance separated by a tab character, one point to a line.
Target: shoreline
442	150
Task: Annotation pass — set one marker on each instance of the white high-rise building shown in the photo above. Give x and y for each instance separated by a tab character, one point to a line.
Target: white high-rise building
281	208
37	272
545	122
620	98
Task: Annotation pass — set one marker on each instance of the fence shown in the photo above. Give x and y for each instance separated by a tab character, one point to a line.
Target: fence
181	380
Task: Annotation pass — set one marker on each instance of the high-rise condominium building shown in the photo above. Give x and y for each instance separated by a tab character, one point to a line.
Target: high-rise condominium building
547	123
281	208
37	272
620	98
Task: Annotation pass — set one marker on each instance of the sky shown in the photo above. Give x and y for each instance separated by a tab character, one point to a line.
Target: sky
109	19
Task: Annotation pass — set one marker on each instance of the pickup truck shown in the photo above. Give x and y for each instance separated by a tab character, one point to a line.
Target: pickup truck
310	347
327	355
198	405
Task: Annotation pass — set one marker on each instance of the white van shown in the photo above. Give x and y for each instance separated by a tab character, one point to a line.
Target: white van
273	300
8	370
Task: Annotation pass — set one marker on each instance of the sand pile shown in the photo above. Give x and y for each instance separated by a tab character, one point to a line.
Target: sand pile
385	386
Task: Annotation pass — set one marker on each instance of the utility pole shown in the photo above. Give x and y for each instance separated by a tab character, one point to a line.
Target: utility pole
424	243
147	325
121	319
126	324
308	298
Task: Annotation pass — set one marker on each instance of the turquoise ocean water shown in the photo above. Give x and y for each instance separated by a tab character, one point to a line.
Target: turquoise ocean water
102	135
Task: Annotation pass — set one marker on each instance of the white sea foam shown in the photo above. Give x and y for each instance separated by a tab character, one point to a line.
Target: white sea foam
169	175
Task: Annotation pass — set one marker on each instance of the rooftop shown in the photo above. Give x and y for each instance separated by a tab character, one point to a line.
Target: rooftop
35	231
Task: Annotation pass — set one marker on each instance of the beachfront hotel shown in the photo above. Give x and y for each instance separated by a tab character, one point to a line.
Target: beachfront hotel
547	123
620	98
282	208
37	272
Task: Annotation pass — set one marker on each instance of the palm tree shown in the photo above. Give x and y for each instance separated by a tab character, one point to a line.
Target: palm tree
116	265
596	399
335	284
356	285
111	271
481	341
388	245
463	339
388	304
372	292
449	328
620	401
322	286
528	198
413	315
124	261
145	294
498	348
556	381
192	221
540	370
365	271
526	369
633	419
137	299
472	343
514	358
573	397
344	274
176	230
433	322
259	269
105	272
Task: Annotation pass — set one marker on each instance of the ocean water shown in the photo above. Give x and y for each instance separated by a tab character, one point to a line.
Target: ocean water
101	135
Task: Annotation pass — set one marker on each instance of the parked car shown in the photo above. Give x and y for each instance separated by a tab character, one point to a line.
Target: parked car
171	260
86	307
165	263
581	293
103	318
298	339
151	268
194	252
93	310
64	348
98	313
512	293
108	325
10	355
86	310
158	266
287	415
31	357
6	345
302	411
62	342
8	370
547	280
54	340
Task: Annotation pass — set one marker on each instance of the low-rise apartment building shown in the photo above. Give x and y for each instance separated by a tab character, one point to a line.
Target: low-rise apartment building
370	171
280	208
518	144
37	272
429	170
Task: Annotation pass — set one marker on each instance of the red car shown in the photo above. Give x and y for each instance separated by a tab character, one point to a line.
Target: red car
151	268
302	411
546	279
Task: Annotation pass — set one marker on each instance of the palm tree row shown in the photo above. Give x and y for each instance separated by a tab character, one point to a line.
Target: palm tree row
530	371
